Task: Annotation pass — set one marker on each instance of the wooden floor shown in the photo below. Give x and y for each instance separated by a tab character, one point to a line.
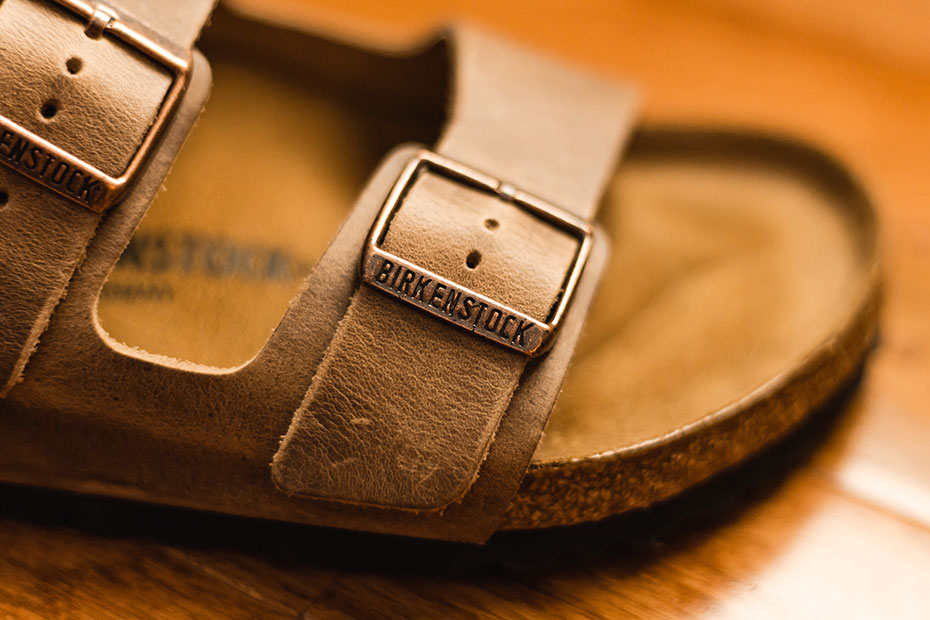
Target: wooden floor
834	523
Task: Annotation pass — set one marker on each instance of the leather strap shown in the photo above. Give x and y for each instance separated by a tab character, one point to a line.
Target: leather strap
404	408
94	98
541	126
177	21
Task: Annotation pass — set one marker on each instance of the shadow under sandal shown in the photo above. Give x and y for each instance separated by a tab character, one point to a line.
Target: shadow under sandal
664	302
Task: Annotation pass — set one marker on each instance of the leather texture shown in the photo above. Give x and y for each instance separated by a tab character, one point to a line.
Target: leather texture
95	99
404	406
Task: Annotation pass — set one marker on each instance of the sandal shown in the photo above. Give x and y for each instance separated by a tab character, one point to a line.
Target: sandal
227	353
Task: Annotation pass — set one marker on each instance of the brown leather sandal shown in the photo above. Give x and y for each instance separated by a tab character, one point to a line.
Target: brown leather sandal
411	362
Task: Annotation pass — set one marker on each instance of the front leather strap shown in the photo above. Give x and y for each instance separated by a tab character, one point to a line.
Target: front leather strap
92	97
404	407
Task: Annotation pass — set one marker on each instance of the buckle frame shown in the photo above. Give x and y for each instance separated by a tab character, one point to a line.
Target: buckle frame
71	176
529	336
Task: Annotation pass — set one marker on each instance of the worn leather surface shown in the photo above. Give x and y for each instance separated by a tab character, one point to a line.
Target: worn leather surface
102	113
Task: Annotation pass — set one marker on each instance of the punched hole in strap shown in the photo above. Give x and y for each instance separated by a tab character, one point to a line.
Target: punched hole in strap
473	258
49	109
74	65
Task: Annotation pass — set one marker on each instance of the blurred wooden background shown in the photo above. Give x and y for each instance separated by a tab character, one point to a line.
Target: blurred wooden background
833	524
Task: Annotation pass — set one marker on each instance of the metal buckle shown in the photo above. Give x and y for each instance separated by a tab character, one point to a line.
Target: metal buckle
470	309
61	171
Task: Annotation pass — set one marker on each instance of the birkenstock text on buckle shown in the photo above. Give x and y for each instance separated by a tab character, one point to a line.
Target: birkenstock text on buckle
51	166
450	300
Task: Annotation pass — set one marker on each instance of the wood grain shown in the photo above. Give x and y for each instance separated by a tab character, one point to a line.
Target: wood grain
833	523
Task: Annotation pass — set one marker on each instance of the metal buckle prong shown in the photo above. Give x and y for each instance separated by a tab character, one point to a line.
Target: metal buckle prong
71	176
99	21
483	316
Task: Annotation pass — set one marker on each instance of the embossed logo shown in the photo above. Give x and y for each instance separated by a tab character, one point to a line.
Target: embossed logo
452	302
33	160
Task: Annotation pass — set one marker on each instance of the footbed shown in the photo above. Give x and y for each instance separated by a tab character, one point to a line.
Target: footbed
727	269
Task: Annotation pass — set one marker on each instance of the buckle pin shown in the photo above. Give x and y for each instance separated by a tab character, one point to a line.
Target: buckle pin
99	21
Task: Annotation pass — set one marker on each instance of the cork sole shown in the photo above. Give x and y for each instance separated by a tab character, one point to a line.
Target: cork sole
742	289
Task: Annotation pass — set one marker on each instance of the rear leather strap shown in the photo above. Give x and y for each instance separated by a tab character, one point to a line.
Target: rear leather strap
404	407
93	97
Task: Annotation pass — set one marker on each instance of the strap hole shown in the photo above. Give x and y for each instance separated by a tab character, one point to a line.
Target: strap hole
74	65
491	224
49	109
4	197
473	258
